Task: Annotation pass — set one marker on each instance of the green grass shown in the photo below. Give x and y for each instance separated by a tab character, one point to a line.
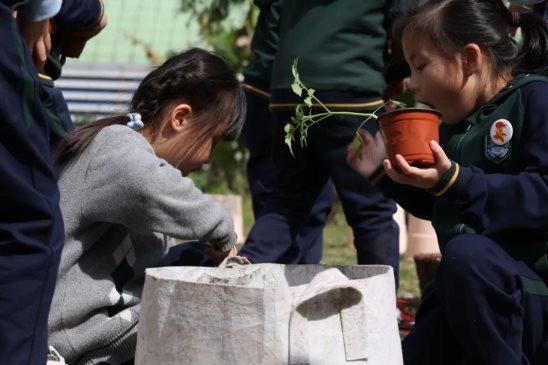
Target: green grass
337	252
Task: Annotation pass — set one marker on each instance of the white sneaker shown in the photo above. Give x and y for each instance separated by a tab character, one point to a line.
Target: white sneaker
54	358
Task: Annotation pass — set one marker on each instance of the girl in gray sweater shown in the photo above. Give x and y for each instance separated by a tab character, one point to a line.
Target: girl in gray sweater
124	191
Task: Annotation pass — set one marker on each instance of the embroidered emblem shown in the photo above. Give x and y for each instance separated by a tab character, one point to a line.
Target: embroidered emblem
497	153
501	132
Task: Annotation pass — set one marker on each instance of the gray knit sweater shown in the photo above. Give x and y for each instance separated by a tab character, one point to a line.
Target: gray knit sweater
120	202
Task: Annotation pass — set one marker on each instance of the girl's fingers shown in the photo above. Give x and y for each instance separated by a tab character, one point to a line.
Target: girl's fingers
443	163
406	168
350	149
390	171
393	174
387	165
368	139
47	43
378	138
439	153
39	54
365	134
352	157
350	154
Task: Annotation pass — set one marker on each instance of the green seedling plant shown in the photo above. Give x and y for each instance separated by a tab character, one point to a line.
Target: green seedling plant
304	118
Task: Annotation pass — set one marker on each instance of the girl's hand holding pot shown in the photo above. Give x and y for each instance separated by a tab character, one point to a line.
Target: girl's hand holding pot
425	178
371	155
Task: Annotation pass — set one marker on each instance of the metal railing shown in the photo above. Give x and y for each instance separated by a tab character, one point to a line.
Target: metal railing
96	91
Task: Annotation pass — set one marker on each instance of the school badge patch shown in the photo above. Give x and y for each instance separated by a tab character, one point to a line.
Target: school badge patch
498	143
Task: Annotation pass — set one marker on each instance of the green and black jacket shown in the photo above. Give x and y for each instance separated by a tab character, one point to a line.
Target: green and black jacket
341	46
263	46
343	59
500	191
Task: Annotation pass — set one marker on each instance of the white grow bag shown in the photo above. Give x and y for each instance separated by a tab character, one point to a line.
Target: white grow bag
269	314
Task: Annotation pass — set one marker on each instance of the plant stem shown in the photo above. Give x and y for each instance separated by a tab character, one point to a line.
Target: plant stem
322	104
374	113
313	116
369	115
318	120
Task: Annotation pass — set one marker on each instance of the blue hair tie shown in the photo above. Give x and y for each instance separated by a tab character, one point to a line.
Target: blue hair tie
135	121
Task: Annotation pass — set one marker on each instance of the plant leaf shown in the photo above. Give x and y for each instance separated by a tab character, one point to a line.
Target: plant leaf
289	133
288	143
297	88
288	128
357	144
299	113
308	101
398	104
294	68
295	72
359	137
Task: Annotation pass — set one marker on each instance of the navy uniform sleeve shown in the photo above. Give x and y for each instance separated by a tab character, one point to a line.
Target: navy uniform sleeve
494	203
416	201
79	14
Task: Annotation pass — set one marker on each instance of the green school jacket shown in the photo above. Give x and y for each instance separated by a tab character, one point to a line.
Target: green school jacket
470	143
495	189
263	46
340	45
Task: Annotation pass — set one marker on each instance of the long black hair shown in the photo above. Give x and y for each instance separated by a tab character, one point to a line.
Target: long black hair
451	24
199	77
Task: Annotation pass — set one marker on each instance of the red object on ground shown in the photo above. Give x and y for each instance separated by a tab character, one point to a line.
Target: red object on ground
406	321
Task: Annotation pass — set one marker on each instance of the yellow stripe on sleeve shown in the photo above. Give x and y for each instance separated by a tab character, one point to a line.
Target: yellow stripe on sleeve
451	181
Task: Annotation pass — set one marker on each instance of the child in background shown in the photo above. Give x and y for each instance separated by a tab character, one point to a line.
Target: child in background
340	45
487	193
77	22
261	172
123	189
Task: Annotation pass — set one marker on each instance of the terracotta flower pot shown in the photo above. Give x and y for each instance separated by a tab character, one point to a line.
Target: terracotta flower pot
408	132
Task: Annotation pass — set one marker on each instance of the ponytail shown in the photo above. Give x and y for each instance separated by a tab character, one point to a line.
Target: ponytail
77	141
533	53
